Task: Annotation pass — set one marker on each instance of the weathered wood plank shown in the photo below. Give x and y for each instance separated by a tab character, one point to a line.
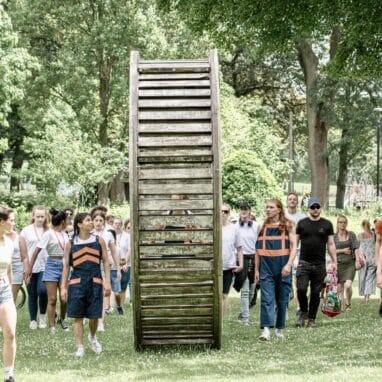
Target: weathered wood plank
175	173
200	320
174	264
166	141
174	92
152	298
177	302
160	222
176	312
167	235
174	188
175	326
174	84
173	76
178	341
165	115
174	278
177	308
174	103
178	331
180	127
168	204
197	250
147	336
173	67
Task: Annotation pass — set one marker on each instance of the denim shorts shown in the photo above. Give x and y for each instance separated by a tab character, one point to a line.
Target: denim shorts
17	272
115	284
5	292
125	278
53	270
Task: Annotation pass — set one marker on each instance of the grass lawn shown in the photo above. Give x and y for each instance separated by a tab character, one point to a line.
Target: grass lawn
345	348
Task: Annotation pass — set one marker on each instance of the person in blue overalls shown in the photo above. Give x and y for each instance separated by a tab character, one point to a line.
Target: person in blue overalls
85	289
275	253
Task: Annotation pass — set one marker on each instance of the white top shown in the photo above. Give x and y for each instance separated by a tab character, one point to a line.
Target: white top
249	235
296	217
89	240
231	240
123	244
54	242
6	251
108	237
16	256
32	236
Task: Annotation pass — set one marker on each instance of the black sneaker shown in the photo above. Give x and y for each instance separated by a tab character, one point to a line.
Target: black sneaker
120	310
312	323
10	379
300	323
63	324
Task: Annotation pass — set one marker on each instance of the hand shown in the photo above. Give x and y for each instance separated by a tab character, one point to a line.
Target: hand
257	277
107	288
333	266
347	251
119	275
358	265
286	270
295	263
125	268
237	269
64	294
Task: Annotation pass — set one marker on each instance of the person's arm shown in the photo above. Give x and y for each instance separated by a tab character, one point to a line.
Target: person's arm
24	255
292	254
106	267
65	273
114	255
239	255
34	256
125	267
378	242
332	252
9	273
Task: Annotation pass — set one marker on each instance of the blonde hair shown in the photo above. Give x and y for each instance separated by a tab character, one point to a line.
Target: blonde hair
341	217
284	222
46	220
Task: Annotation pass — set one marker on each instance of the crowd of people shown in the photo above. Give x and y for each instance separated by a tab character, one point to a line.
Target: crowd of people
293	248
80	262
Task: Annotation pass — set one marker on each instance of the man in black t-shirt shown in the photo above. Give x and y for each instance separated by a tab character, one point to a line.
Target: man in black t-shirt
315	234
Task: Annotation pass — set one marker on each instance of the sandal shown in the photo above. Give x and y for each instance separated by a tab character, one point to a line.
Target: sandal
348	308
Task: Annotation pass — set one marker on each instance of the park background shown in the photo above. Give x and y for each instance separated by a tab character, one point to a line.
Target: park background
300	85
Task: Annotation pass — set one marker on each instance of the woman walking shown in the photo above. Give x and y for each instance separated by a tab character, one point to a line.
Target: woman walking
54	241
37	294
347	259
7	306
275	253
83	254
366	274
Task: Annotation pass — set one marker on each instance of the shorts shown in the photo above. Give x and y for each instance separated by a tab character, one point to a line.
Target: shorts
5	292
227	280
17	272
125	278
53	270
115	284
85	296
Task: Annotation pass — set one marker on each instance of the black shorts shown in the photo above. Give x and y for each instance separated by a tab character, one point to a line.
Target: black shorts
227	280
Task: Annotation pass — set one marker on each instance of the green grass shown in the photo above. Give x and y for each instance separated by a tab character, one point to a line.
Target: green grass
345	348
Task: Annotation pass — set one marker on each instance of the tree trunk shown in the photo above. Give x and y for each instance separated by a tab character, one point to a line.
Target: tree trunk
318	133
342	169
117	189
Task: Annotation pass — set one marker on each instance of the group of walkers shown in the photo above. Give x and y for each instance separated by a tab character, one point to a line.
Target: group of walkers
266	255
84	259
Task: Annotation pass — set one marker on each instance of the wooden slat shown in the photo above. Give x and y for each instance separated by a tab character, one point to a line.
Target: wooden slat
199	284
196	250
174	188
186	320
168	204
174	264
176	312
174	103
172	335
174	84
167	141
175	302
174	115
147	326
167	235
179	127
178	341
174	92
171	173
173	67
175	278
160	222
151	298
173	76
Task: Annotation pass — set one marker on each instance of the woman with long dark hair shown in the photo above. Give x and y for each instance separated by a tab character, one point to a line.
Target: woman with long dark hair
85	289
275	253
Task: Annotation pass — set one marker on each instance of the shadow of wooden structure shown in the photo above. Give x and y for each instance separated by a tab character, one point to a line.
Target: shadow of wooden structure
175	196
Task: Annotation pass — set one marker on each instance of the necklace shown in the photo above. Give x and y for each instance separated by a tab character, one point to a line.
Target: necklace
60	242
38	237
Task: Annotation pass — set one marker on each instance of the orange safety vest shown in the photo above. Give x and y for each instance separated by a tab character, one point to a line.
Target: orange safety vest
272	242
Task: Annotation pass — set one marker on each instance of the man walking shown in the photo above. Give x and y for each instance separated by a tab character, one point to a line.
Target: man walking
248	230
315	234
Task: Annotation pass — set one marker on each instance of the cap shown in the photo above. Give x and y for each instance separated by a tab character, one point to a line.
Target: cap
244	205
313	201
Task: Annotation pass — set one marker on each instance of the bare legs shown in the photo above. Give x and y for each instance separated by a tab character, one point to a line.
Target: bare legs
8	320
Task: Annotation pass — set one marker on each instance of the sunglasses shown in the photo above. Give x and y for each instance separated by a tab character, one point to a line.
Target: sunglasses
225	211
315	207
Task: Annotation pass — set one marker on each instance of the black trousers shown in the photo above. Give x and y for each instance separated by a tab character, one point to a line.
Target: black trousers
313	274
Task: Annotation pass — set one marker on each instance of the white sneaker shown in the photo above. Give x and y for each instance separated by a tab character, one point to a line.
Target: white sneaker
100	327
80	352
52	330
33	325
265	335
42	321
280	334
94	344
